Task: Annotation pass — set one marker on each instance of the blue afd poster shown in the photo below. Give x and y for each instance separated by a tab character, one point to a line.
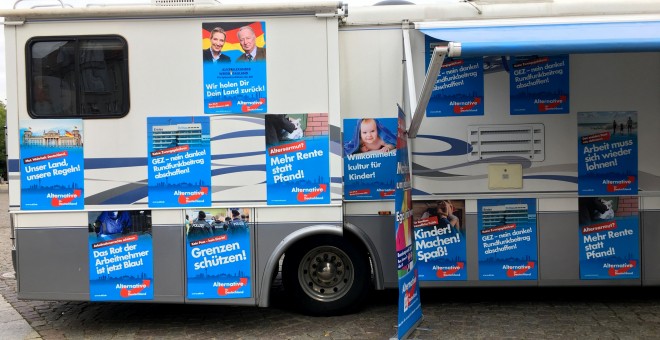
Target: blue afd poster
459	89
120	256
607	153
539	85
440	240
297	159
369	158
234	60
52	164
507	239
179	161
410	304
218	255
609	238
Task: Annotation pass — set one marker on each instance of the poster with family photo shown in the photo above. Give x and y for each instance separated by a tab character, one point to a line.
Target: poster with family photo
234	66
609	237
440	242
297	159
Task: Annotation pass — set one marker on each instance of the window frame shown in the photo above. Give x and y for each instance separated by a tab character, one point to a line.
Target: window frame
78	110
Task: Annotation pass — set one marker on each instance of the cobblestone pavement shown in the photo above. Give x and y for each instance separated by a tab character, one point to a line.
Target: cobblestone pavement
456	313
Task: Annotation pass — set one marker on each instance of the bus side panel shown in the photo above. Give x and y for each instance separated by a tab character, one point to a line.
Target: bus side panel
53	263
625	82
650	231
238	158
169	263
559	253
558	242
118	177
380	230
558	245
371	73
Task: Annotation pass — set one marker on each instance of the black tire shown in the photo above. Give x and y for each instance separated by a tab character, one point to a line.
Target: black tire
326	276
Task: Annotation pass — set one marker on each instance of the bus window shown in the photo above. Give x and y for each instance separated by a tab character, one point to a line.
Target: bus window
77	77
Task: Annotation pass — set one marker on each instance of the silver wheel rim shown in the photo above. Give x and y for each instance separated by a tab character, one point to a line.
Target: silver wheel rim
326	273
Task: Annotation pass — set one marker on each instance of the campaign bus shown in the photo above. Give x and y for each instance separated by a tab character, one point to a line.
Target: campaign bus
192	152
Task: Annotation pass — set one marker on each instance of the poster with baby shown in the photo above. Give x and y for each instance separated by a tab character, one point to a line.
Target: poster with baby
369	158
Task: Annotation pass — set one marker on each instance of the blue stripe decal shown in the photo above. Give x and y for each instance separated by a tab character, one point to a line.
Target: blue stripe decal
237	155
109	163
239	168
240	134
13	165
570	179
457	147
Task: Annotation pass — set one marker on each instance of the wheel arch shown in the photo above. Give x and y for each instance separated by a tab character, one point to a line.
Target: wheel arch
372	250
272	265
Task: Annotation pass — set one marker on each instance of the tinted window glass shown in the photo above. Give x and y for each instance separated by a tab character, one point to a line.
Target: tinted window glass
78	77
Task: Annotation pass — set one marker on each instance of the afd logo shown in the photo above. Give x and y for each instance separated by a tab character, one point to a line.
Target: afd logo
450	146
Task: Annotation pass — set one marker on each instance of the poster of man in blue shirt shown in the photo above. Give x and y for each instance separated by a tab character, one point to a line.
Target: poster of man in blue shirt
112	222
120	256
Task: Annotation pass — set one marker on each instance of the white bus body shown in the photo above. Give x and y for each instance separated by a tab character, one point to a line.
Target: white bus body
348	63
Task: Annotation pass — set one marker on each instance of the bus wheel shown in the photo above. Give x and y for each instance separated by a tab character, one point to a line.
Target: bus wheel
326	276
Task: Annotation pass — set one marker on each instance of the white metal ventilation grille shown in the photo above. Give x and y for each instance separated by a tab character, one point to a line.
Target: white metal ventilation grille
523	140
